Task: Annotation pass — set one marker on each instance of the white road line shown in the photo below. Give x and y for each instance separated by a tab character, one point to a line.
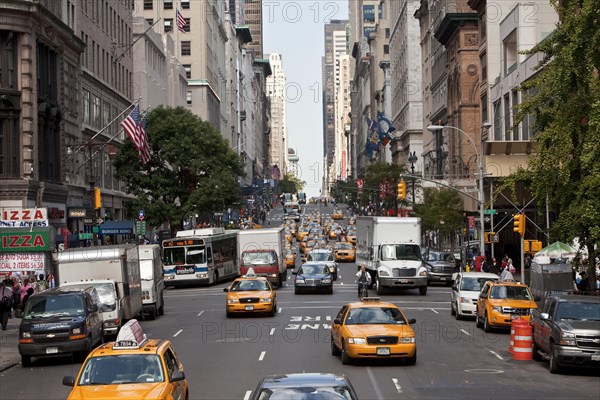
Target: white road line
434	311
341	283
374	383
247	395
398	387
465	332
262	356
200	313
496	354
279	311
272	332
178	332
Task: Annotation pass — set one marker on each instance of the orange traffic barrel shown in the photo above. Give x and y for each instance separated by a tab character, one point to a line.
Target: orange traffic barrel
523	340
512	337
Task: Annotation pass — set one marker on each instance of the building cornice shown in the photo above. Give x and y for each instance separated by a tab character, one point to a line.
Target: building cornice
450	23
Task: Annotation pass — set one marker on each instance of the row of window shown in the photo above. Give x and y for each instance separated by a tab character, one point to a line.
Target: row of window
167	4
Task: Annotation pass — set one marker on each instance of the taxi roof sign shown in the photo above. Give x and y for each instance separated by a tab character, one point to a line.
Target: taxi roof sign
131	336
250	273
371	299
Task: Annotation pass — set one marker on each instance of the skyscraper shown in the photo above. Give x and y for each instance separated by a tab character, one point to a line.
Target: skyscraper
276	93
252	10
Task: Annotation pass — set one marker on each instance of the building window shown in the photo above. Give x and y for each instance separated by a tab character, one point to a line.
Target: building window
185	4
86	106
483	62
188	70
387	33
507	117
186	48
168	4
497	121
386	49
482	26
148	4
168	25
367	30
369	13
186	27
515	103
510	53
484	108
188	97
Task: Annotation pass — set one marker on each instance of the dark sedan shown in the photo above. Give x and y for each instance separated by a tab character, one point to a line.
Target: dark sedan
313	277
304	387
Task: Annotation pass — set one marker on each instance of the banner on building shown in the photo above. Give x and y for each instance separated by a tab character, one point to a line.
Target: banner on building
22	262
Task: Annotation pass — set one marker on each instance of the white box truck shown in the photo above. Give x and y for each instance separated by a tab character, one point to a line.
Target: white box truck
262	250
390	248
153	283
115	273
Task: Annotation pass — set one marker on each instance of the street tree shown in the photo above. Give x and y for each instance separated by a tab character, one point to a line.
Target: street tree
441	212
192	169
381	178
563	100
290	184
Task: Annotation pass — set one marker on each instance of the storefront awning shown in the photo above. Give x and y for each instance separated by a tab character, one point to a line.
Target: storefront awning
116	228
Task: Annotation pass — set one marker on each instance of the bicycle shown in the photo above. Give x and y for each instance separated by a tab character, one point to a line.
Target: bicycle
362	290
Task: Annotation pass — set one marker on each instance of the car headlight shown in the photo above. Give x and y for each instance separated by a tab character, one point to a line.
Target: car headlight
326	280
357	340
497	309
384	273
76	331
300	281
26	335
464	300
423	272
265	300
232	301
567	339
407	339
112	323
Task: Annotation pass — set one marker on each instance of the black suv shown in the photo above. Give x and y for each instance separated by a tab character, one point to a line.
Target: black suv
60	322
440	266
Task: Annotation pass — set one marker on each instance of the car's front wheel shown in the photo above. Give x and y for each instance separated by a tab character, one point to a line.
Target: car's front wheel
478	322
334	349
411	360
486	324
346	360
553	365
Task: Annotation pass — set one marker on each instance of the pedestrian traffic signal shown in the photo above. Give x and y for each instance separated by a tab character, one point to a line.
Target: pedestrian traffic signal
401	190
97	198
519	224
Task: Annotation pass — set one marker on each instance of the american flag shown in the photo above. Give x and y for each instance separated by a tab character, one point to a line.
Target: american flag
135	126
180	21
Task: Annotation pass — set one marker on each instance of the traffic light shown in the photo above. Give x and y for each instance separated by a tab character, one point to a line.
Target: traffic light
97	198
519	224
401	190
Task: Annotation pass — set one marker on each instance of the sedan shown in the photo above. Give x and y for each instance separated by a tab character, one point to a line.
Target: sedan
465	292
304	386
313	277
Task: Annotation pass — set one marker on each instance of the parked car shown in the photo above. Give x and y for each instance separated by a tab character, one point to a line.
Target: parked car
313	277
567	332
304	386
465	292
440	266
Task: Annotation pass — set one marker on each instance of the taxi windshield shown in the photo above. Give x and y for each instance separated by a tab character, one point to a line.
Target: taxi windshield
375	315
473	284
510	292
344	246
257	285
122	369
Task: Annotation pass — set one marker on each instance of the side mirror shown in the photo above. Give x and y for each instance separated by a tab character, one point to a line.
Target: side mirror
412	321
68	381
337	321
177	376
94	308
483	295
545	316
455	288
226	290
294	272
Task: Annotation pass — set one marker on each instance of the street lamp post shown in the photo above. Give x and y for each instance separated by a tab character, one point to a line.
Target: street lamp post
412	159
480	194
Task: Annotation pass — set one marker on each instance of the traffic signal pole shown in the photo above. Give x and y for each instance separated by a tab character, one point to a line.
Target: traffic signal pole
522	260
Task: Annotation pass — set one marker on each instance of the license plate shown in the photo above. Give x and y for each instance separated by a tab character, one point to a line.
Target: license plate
51	350
383	351
595	357
442	279
249	308
404	281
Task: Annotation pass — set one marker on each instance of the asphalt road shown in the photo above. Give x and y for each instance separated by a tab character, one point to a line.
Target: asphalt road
225	358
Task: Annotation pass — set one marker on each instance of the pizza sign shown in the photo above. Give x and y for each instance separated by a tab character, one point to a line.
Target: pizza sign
23	217
26	240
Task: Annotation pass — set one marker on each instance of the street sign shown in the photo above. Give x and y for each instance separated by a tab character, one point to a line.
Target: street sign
490	212
141	215
140	228
86	236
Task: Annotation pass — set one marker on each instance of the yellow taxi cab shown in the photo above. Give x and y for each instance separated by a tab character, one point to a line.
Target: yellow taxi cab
302	233
337	214
351	237
132	367
251	294
373	329
344	251
288	235
500	302
290	258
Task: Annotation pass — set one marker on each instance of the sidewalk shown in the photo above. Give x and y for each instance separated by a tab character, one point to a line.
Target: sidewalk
9	342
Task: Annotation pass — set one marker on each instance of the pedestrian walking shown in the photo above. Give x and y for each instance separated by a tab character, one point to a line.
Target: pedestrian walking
5	303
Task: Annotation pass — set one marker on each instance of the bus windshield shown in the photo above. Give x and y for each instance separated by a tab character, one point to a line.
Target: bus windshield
184	255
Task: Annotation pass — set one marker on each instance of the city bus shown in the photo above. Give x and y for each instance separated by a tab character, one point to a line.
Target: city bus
200	256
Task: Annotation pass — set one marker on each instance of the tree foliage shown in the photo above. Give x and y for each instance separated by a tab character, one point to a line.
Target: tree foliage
290	184
192	170
377	175
442	210
564	100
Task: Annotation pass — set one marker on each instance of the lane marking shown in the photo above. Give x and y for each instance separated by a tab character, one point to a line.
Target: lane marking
279	311
497	355
374	383
200	313
465	332
398	387
434	311
272	332
247	395
262	356
178	332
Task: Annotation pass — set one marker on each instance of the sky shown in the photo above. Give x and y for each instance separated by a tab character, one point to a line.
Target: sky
295	30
